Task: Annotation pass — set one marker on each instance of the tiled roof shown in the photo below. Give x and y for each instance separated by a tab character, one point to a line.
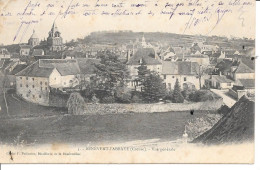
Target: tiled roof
180	68
247	83
34	70
44	67
67	68
146	54
242	68
221	79
87	66
18	68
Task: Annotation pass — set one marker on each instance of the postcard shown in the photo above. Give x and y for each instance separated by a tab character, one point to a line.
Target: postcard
127	81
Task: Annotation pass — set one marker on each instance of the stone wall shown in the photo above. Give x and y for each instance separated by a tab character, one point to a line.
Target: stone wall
102	109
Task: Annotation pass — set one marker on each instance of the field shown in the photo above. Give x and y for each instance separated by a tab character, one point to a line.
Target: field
96	128
34	124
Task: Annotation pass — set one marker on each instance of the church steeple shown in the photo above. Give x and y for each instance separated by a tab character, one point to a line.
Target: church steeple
54	40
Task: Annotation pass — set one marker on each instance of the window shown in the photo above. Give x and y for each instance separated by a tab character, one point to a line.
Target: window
32	86
33	79
46	83
21	85
173	77
40	96
33	96
27	85
184	79
21	78
26	78
45	88
41	82
164	76
41	88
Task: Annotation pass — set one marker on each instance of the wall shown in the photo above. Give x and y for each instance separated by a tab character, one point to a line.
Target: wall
93	109
237	94
244	76
33	89
189	79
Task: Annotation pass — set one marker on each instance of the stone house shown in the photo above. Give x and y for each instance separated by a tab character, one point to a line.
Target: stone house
145	56
185	71
242	71
35	81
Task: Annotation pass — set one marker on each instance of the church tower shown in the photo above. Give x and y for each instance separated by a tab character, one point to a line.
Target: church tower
34	40
54	40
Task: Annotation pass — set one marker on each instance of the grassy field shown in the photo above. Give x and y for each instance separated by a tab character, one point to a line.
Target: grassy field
96	128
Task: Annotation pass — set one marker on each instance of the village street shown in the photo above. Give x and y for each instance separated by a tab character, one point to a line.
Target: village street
229	101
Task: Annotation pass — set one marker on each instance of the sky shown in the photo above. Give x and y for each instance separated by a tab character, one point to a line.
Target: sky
78	18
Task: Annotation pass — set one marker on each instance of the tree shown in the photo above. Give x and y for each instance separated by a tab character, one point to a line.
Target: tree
143	72
75	104
110	73
200	71
176	95
153	88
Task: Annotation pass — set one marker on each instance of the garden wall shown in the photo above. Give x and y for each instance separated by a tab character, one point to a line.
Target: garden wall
102	109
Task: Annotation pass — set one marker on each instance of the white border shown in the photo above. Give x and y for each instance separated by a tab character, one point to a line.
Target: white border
256	166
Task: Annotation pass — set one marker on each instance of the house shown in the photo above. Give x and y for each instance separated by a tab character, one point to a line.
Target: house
145	56
247	84
35	81
185	71
242	71
209	49
38	52
4	54
243	87
219	82
11	80
25	49
201	59
226	67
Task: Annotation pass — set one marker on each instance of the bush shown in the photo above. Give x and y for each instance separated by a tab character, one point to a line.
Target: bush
123	95
75	104
136	99
202	95
108	99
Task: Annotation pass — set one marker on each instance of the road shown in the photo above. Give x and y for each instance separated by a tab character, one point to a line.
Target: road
229	101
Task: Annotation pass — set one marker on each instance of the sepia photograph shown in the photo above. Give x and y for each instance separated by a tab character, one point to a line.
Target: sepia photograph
126	81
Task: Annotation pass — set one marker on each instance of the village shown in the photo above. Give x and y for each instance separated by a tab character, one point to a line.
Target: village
44	71
52	88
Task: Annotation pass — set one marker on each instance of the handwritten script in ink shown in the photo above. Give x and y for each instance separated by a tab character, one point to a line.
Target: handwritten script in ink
193	13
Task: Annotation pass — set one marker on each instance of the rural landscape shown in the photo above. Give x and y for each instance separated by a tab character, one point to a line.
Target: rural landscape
124	86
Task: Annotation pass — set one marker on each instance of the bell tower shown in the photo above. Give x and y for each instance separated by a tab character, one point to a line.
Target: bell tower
54	40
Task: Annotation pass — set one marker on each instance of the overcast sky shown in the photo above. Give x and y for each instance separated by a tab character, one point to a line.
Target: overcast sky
226	20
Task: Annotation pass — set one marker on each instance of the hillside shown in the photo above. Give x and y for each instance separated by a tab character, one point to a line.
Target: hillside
235	127
122	37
